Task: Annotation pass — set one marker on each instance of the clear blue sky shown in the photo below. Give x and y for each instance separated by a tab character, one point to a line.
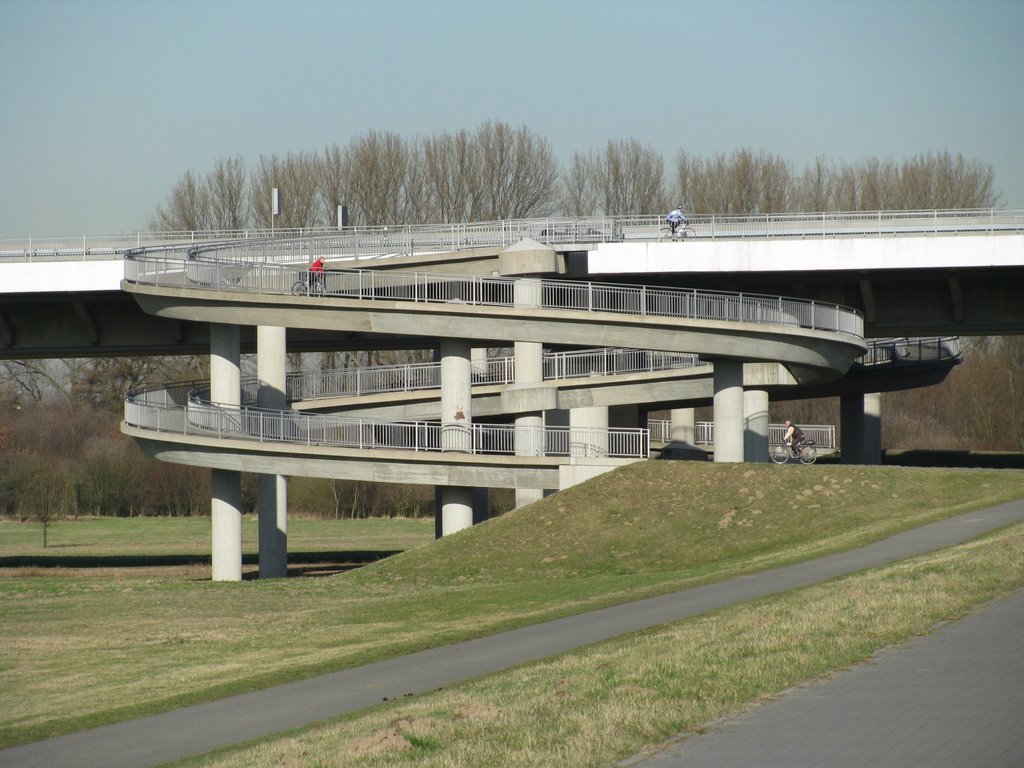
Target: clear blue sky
107	103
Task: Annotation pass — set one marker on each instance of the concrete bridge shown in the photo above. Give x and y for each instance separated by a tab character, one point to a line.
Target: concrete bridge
529	285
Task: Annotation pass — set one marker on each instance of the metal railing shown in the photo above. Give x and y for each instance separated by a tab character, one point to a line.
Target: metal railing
364	284
376	241
411	377
910	349
824	435
180	410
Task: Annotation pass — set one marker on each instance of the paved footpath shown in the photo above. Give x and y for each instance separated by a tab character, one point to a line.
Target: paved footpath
194	730
953	699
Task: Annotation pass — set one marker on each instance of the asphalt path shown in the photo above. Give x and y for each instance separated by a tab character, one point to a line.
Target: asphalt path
189	731
952	699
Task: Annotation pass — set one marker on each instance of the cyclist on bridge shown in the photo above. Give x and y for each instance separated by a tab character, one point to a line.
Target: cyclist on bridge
675	218
316	271
794	436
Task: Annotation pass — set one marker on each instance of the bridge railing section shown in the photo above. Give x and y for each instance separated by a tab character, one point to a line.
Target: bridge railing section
412	377
496	291
911	349
164	411
369	242
824	435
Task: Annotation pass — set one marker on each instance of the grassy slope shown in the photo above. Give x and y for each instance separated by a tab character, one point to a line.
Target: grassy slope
75	652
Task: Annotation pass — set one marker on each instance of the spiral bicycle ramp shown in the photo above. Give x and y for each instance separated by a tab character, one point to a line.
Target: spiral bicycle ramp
813	343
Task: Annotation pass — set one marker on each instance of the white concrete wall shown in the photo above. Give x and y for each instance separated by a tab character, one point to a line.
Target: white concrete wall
766	255
40	276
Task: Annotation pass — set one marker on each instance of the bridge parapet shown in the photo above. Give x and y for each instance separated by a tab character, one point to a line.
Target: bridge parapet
295	245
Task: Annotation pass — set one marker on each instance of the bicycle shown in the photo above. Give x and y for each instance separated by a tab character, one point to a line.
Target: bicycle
805	453
683	231
303	286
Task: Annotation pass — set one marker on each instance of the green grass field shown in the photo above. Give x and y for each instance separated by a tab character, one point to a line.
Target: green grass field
85	645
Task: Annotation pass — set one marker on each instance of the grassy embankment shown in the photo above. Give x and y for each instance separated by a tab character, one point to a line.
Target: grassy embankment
82	647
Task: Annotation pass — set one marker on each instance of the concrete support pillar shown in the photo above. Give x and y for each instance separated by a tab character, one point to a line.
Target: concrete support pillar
728	405
755	425
529	370
851	428
226	524
588	431
683	426
682	444
873	428
225	485
860	428
273	489
456	395
481	503
456	502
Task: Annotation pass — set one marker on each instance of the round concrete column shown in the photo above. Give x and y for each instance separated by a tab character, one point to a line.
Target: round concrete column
728	405
529	372
225	485
682	437
588	431
873	428
755	426
683	426
272	504
851	428
456	395
456	502
456	508
225	371
226	524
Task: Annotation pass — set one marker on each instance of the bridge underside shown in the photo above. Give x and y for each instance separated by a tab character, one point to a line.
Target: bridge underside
925	302
111	324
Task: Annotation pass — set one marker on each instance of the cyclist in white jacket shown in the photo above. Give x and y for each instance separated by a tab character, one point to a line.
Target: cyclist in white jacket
675	218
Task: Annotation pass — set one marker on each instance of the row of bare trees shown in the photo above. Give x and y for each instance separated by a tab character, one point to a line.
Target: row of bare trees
500	171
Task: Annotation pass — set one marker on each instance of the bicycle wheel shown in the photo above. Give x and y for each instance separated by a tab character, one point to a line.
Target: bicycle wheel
779	454
686	232
299	288
808	455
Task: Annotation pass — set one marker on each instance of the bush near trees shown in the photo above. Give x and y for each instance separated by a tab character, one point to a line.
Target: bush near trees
59	418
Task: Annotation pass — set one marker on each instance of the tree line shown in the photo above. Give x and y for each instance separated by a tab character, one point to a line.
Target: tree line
500	171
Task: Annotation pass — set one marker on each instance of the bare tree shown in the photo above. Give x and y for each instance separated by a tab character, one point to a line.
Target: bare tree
815	189
227	195
517	174
629	178
44	493
579	187
451	165
332	188
380	176
296	177
187	208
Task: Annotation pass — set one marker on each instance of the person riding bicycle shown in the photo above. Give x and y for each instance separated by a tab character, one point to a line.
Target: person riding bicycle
675	218
794	437
316	272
